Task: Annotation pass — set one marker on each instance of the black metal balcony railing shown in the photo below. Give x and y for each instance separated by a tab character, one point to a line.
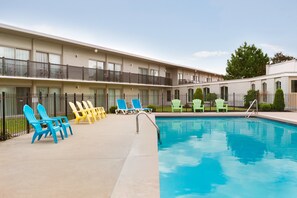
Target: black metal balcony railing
185	81
21	68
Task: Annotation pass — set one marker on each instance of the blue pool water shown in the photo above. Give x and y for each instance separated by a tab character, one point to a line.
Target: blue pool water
227	157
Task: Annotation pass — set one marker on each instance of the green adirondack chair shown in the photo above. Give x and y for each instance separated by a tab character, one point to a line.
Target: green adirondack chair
220	105
197	105
176	105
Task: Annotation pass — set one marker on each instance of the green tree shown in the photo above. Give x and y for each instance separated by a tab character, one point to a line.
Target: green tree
198	94
246	62
280	57
279	102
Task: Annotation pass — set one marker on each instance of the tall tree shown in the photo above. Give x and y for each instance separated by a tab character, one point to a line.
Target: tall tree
280	57
246	62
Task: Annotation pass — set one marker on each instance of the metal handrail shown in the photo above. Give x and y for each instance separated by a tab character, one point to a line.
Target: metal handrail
137	125
256	112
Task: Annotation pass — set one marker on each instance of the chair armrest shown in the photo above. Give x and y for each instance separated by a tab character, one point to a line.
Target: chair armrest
62	118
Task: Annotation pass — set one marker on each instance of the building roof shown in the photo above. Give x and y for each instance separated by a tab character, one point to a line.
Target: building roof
52	38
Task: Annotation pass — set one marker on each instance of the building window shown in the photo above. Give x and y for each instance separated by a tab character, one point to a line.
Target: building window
208	79
154	99
190	95
168	75
264	89
278	85
224	93
114	67
195	79
294	86
143	94
15	67
96	64
48	58
253	87
168	95
176	94
13	53
114	71
154	72
101	99
143	71
179	76
113	95
206	91
92	71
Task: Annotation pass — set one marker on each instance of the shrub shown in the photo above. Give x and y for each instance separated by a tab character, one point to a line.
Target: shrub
251	95
187	105
153	107
112	109
211	97
279	102
198	94
265	107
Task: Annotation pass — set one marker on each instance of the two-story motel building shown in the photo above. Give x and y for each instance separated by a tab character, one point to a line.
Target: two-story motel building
38	63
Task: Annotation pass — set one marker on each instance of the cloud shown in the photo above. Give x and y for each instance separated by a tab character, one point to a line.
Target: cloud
208	54
271	48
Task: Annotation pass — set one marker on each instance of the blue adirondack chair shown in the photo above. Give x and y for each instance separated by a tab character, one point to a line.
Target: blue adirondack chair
63	120
138	107
122	107
52	127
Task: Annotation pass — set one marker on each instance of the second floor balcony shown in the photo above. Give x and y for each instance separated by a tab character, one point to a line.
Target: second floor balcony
31	69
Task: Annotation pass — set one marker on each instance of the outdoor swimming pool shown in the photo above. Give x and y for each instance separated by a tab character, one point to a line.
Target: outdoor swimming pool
227	157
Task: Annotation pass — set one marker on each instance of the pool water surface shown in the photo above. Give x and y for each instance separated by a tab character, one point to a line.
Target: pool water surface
227	157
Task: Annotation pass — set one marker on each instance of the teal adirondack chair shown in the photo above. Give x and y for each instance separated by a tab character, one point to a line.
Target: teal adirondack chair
197	105
63	120
52	127
220	105
176	105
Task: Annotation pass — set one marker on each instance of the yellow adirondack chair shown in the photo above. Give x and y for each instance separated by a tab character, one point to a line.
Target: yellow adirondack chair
80	115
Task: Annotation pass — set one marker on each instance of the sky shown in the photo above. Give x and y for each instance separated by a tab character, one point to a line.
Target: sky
194	33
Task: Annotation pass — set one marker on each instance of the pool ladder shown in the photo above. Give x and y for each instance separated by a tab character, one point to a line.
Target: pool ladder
248	114
137	125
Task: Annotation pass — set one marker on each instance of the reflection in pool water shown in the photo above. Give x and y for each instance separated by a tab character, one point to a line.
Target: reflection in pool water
227	157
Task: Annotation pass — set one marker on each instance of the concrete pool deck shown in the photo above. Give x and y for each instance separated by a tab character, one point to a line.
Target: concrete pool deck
105	159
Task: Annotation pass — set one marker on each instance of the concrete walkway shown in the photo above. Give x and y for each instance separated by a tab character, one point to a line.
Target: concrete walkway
105	159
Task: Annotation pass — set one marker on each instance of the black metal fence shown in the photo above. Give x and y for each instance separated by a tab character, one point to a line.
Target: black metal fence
21	68
13	123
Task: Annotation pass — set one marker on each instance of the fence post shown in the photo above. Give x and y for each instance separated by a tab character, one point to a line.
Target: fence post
3	66
107	103
55	105
74	98
3	117
67	71
234	101
124	95
66	105
95	99
40	98
186	102
82	96
27	102
162	101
